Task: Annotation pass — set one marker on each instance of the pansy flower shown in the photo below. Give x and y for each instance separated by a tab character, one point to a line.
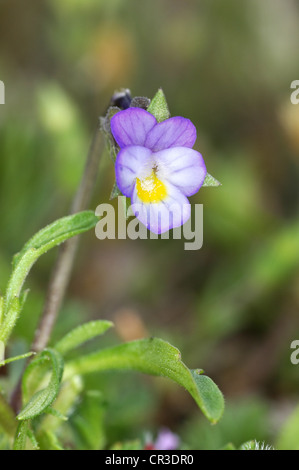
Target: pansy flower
157	167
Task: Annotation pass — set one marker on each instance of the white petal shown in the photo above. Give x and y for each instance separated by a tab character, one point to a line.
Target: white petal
182	167
131	163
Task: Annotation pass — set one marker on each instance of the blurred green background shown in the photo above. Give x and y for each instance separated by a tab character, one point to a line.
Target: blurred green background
231	307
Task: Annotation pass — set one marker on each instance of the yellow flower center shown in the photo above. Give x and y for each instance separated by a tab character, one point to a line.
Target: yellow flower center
151	189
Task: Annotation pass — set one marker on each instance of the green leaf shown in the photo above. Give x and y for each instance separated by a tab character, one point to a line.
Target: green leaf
34	376
288	436
208	396
159	107
44	398
57	233
49	237
82	334
21	436
16	358
156	357
210	181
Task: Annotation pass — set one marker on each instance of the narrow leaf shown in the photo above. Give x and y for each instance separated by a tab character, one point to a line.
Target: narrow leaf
21	436
44	398
33	440
49	237
80	335
12	313
115	192
156	357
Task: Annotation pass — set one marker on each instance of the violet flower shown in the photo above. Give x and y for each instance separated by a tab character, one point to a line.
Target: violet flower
156	167
166	440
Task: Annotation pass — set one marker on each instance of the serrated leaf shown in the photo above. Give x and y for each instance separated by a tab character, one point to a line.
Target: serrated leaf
210	181
159	107
156	357
81	334
42	399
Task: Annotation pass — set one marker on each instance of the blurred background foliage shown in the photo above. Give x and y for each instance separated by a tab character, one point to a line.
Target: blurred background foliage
231	307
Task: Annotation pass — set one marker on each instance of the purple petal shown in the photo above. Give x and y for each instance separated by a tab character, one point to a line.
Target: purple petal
167	440
174	132
182	167
161	217
131	162
131	127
